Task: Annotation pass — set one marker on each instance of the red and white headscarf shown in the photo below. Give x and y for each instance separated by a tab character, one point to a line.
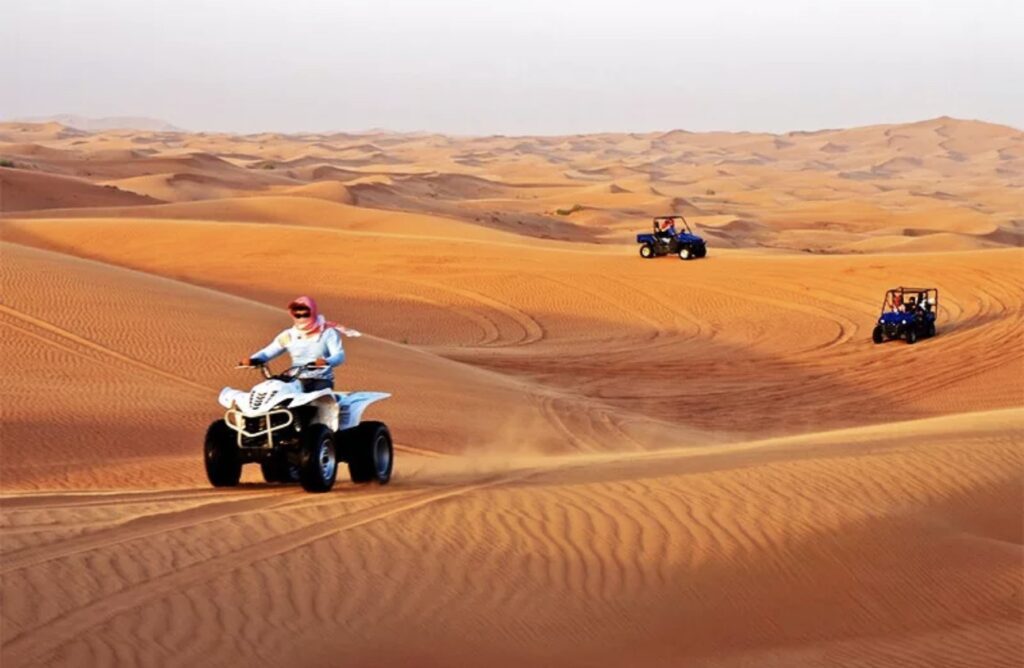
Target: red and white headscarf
316	324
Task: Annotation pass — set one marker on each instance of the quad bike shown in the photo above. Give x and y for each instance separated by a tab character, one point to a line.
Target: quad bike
297	436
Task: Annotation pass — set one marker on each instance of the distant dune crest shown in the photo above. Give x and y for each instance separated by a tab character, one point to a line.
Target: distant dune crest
90	124
827	191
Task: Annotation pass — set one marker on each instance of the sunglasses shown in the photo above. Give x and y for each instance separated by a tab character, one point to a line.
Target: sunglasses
300	314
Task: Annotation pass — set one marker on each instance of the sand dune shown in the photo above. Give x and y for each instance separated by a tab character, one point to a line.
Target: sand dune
183	186
22	190
754	339
78	323
601	460
861	180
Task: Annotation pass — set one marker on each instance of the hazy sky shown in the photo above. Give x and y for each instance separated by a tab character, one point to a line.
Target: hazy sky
515	67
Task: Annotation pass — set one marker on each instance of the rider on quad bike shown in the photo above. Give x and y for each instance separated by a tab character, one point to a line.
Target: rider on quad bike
293	424
312	340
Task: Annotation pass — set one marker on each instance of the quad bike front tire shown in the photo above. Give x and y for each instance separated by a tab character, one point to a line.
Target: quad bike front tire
912	335
877	335
685	253
318	459
647	251
371	453
221	456
930	332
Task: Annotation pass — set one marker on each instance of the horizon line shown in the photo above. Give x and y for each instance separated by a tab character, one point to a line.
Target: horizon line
174	128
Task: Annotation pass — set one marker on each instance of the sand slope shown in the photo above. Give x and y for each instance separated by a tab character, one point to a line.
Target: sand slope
103	337
832	549
21	190
742	344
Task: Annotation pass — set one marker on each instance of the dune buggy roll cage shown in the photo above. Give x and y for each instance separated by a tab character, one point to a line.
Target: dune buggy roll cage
927	298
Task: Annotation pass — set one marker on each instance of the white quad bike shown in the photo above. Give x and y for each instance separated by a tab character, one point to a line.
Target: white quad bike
297	436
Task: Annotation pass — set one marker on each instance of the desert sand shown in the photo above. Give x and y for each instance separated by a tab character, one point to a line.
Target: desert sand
601	460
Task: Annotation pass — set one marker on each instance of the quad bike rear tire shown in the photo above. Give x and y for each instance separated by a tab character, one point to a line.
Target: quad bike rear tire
371	453
220	455
912	335
318	459
931	330
877	335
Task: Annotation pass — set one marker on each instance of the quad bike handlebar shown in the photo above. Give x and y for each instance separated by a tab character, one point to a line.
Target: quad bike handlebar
261	366
290	373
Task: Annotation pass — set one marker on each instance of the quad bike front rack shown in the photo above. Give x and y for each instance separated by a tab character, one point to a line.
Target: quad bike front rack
236	421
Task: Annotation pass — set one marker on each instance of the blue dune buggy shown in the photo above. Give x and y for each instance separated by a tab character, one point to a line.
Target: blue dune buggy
672	235
907	313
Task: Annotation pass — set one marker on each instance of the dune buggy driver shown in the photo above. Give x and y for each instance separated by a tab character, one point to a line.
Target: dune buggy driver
312	342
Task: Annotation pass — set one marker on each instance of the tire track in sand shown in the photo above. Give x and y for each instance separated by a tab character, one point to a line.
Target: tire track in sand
143	526
64	339
25	647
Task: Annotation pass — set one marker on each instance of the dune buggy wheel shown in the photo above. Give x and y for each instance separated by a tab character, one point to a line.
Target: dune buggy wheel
221	456
647	251
371	453
877	335
702	251
912	335
930	331
685	253
318	459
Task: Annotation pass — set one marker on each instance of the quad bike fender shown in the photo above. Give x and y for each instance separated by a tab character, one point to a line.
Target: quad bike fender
312	397
326	406
352	404
229	395
326	410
